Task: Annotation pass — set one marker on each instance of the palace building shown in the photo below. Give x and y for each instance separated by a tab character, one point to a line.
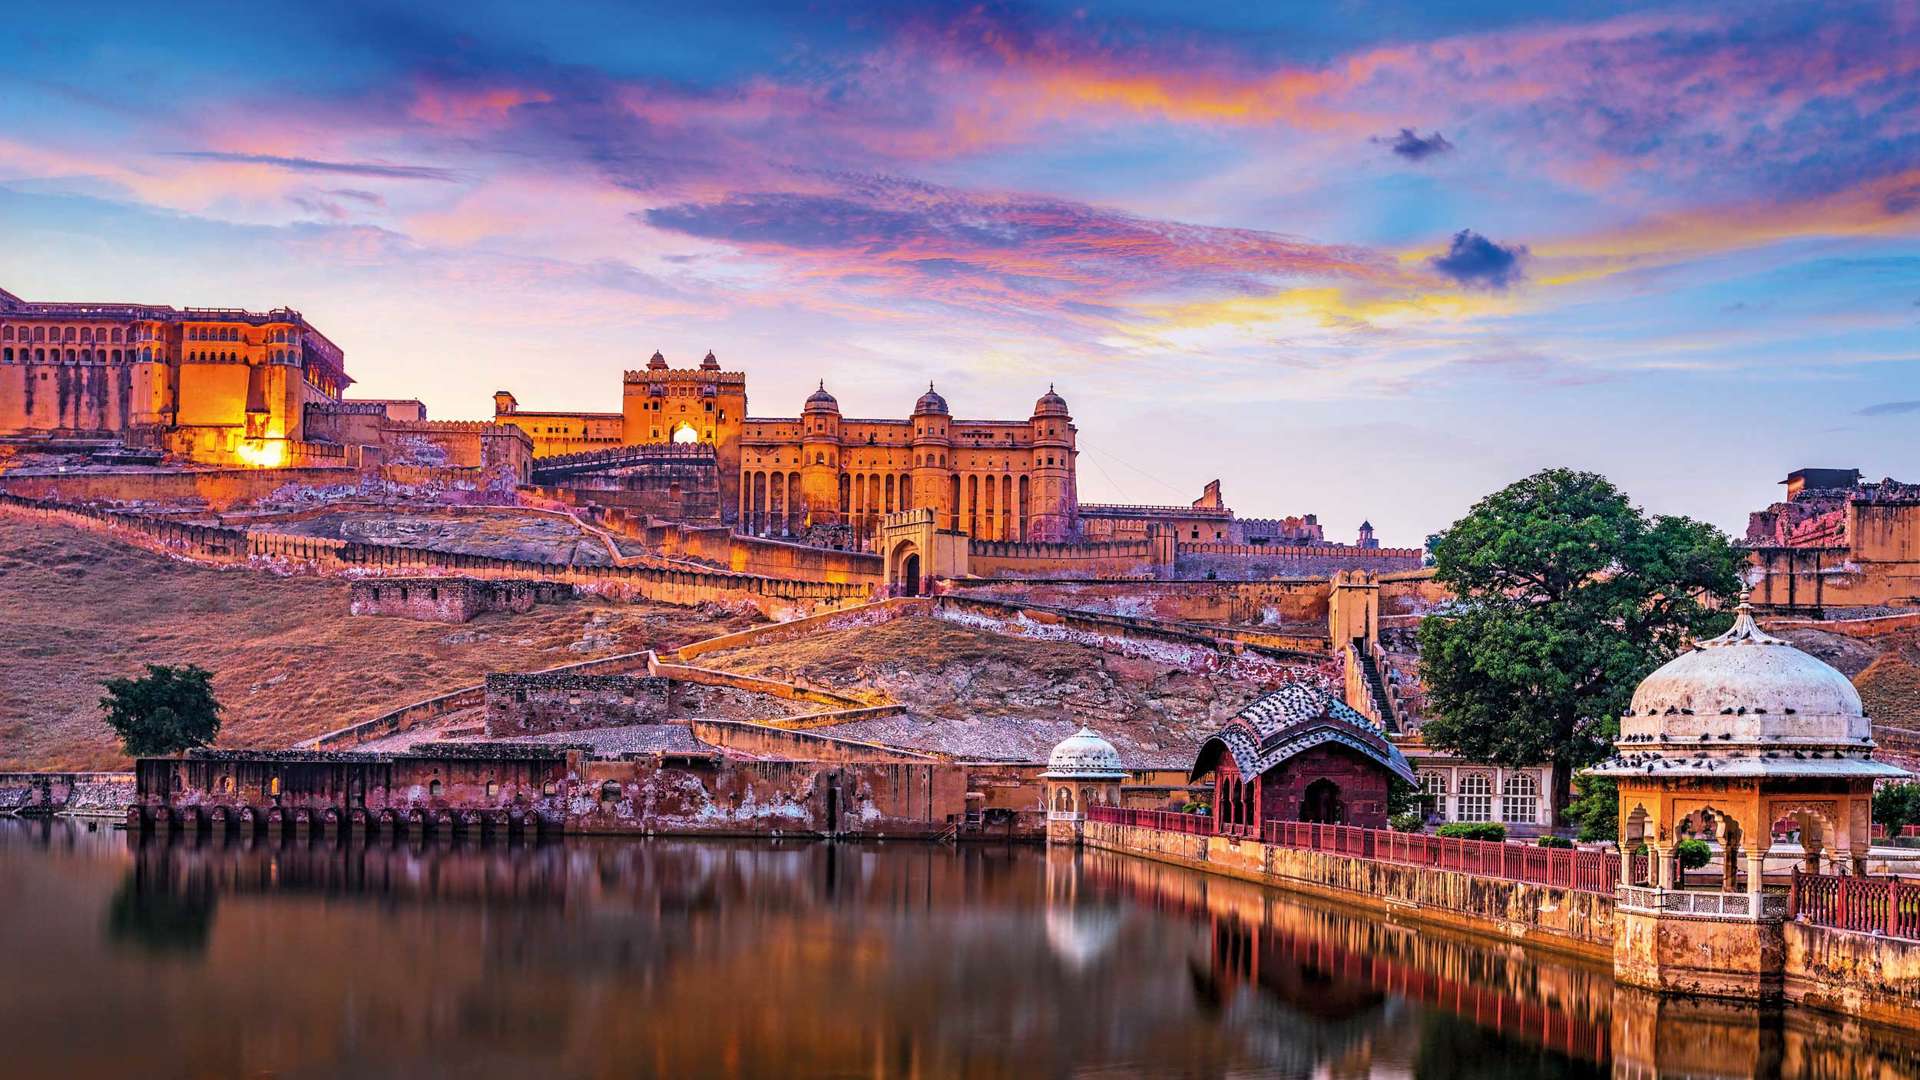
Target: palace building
794	476
213	383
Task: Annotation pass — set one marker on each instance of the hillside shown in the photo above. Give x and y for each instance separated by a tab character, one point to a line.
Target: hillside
288	660
979	694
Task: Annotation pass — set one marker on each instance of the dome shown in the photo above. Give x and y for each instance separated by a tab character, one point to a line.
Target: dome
1746	703
1084	755
930	402
821	401
709	362
1050	404
657	362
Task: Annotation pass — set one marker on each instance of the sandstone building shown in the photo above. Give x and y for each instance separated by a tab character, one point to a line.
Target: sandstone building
1836	542
212	383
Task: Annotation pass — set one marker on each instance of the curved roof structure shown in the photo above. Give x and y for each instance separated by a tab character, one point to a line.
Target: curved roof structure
1084	755
1290	721
1746	704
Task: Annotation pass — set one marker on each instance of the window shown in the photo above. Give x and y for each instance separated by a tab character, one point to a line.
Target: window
1433	793
433	789
1520	799
1476	797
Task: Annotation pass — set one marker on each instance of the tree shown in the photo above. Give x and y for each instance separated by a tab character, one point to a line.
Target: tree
1566	596
1895	805
165	711
1594	811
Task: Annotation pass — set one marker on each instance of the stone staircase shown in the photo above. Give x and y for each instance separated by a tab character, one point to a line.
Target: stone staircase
1376	685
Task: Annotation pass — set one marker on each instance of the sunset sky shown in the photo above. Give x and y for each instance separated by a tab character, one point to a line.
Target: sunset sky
1363	259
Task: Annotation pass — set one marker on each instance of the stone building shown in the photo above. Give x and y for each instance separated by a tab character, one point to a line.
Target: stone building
1836	542
218	384
794	476
1742	740
1299	754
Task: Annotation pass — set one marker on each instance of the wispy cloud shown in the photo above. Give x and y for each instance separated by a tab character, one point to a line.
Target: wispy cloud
1891	408
1413	146
310	165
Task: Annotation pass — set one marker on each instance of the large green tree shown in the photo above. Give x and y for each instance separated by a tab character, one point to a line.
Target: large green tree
1565	597
165	711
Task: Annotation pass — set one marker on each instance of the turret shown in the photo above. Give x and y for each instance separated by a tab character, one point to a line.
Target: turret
934	483
820	458
1053	510
709	362
504	404
1366	535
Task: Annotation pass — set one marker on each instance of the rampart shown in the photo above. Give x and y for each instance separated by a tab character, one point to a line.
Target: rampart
1115	559
217	489
450	599
772	597
1248	561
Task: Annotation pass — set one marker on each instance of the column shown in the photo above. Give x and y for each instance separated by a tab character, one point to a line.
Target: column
1663	862
1756	870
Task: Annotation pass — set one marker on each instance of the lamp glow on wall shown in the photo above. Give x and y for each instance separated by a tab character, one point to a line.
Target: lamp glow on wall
262	453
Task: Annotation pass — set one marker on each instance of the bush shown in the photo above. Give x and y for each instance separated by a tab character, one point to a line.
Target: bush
1895	805
165	711
1411	821
1473	830
1554	842
1693	854
1595	809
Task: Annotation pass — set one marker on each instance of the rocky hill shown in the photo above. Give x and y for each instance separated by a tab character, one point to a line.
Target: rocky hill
288	660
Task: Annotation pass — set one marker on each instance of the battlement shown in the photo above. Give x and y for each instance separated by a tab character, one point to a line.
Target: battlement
1120	510
686	375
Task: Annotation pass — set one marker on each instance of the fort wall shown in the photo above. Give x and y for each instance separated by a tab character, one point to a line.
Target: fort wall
216	489
1232	603
1245	561
450	599
31	794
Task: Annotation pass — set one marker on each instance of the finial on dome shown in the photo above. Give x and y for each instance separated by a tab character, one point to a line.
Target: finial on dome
823	384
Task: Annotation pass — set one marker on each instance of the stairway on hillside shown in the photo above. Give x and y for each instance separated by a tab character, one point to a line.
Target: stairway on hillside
1376	685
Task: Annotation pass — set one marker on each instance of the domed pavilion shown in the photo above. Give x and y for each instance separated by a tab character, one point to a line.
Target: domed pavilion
1083	770
1741	732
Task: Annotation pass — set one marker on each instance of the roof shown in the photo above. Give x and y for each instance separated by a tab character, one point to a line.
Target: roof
1290	721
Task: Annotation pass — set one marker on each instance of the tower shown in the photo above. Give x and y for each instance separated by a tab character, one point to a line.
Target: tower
935	485
662	404
820	487
1366	536
1052	504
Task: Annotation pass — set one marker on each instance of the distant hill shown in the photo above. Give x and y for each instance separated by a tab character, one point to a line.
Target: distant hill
288	661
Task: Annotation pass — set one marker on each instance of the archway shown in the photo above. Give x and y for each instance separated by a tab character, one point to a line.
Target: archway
686	433
1322	804
906	569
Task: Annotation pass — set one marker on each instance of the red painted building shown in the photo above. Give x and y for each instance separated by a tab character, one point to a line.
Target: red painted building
1300	754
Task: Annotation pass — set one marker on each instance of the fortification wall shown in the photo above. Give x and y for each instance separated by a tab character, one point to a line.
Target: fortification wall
1249	561
450	599
215	489
719	545
1012	559
1229	603
540	703
1799	579
764	741
1189	650
1868	976
771	597
731	797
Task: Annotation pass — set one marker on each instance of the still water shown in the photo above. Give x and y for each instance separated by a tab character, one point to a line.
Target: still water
199	957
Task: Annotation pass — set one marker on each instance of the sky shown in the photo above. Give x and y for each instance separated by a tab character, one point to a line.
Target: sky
1364	259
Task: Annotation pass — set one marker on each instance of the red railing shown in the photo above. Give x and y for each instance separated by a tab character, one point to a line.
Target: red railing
1887	906
1583	871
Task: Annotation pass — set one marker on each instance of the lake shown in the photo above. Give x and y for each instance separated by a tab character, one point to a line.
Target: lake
204	957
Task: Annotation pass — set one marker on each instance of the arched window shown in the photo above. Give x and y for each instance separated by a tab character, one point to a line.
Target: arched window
433	789
273	786
1433	793
1520	799
1476	797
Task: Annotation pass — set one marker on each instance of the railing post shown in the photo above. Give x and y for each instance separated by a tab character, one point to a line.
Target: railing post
1893	907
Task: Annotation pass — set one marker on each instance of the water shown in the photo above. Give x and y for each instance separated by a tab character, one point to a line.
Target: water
670	958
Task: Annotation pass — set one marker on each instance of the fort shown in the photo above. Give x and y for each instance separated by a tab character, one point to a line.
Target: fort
946	643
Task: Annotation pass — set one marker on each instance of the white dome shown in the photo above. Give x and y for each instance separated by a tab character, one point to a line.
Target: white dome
1751	686
1084	755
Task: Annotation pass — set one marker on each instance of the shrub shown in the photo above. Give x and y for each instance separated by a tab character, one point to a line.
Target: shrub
1473	830
1554	842
1693	854
1411	821
165	711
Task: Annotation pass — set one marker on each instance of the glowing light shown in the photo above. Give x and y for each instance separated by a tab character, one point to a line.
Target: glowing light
262	453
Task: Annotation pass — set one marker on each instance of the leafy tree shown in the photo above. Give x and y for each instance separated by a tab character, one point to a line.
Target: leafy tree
1694	854
165	711
1594	811
1895	805
1566	596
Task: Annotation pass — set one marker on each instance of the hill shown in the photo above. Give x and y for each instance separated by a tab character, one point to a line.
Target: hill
288	660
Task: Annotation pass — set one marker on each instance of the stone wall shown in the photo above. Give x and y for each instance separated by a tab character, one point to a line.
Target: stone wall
1249	561
1554	918
34	793
536	703
1279	604
216	489
1864	975
1117	559
450	599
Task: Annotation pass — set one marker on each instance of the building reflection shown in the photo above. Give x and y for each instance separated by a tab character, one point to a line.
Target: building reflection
706	958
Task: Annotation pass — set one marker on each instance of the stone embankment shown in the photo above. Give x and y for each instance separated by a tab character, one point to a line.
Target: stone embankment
91	794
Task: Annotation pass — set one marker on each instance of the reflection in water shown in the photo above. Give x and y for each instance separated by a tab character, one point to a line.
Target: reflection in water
670	958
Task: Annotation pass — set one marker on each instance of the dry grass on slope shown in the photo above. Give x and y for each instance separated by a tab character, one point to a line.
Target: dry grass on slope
288	660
